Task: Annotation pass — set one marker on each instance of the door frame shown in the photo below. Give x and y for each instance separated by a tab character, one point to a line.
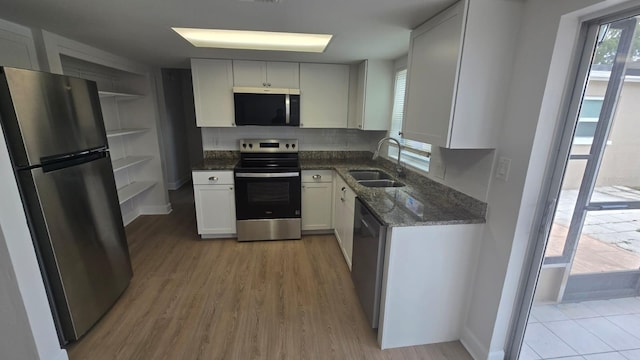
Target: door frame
555	170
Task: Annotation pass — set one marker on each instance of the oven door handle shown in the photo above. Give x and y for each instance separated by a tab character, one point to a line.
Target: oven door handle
268	175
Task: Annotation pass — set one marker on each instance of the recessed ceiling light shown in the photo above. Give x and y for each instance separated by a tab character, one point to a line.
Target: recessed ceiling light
255	40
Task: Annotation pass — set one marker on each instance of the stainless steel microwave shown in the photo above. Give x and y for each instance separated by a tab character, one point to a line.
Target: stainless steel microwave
266	106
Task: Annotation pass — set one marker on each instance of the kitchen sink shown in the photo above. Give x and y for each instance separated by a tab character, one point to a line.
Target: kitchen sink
369	175
380	183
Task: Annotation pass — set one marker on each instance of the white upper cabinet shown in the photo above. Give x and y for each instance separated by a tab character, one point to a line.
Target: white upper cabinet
324	95
372	95
266	74
456	82
213	92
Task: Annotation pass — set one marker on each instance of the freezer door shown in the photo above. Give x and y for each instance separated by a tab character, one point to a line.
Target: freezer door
47	115
80	236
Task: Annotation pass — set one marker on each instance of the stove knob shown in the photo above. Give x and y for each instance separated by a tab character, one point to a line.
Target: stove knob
244	146
293	145
287	146
251	146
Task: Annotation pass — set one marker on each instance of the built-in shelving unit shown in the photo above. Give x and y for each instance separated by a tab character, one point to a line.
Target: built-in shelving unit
129	161
123	132
133	189
128	113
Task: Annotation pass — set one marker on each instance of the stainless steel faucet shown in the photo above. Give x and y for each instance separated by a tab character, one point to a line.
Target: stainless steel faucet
399	167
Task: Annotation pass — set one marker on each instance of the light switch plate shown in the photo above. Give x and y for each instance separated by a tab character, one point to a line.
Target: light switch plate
502	170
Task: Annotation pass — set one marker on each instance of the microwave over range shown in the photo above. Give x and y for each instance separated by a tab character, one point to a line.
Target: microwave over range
266	106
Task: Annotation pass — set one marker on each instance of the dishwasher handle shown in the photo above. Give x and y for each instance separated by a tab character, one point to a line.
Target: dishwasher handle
369	229
367	220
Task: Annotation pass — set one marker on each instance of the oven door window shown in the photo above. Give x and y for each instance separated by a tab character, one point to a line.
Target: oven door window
268	194
273	198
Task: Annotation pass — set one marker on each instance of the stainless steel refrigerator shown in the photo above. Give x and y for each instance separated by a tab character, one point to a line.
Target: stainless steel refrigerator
57	142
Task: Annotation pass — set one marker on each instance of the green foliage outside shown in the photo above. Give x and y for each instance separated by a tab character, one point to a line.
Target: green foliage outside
606	51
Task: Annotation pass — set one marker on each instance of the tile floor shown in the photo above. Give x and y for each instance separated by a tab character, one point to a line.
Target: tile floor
590	330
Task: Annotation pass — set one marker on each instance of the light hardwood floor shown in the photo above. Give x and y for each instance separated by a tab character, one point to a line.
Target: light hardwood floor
220	299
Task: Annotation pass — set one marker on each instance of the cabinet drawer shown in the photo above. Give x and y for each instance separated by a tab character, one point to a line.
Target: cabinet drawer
217	177
317	176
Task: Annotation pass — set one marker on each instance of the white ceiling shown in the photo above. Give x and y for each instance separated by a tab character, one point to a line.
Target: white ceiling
141	29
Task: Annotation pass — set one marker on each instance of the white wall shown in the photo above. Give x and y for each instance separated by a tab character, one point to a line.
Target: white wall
310	139
16	339
26	324
468	171
544	55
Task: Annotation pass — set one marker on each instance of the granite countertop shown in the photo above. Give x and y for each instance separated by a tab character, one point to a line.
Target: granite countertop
218	164
218	160
416	204
421	202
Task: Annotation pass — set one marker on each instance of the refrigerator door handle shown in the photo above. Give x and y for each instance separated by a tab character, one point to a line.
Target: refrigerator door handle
77	160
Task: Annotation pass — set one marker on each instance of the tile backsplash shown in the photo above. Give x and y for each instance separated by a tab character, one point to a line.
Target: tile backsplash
309	139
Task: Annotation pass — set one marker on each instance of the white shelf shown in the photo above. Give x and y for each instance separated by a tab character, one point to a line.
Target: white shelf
123	163
134	189
118	95
123	132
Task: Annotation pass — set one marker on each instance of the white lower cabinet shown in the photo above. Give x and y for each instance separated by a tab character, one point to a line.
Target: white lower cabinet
317	196
215	203
344	200
429	278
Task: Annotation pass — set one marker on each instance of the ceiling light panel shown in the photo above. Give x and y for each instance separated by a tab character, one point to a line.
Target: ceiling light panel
255	40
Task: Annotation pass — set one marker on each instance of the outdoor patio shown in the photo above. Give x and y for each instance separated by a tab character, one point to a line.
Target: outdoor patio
591	330
610	239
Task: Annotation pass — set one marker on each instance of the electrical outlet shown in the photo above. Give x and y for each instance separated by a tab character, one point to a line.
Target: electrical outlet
502	170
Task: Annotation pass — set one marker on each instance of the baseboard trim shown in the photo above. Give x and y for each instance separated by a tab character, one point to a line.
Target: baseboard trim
128	217
496	355
473	345
156	209
218	236
318	232
60	355
175	185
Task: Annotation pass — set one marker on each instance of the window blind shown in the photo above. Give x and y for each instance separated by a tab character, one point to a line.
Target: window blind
413	149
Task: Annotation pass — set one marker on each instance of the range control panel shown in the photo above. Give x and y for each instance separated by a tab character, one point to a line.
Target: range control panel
269	146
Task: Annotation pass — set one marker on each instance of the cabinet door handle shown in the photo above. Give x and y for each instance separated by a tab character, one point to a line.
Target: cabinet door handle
343	189
230	188
213	178
264	84
268	84
316	177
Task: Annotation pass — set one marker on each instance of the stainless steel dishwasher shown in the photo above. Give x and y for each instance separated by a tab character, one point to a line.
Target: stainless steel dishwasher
369	238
